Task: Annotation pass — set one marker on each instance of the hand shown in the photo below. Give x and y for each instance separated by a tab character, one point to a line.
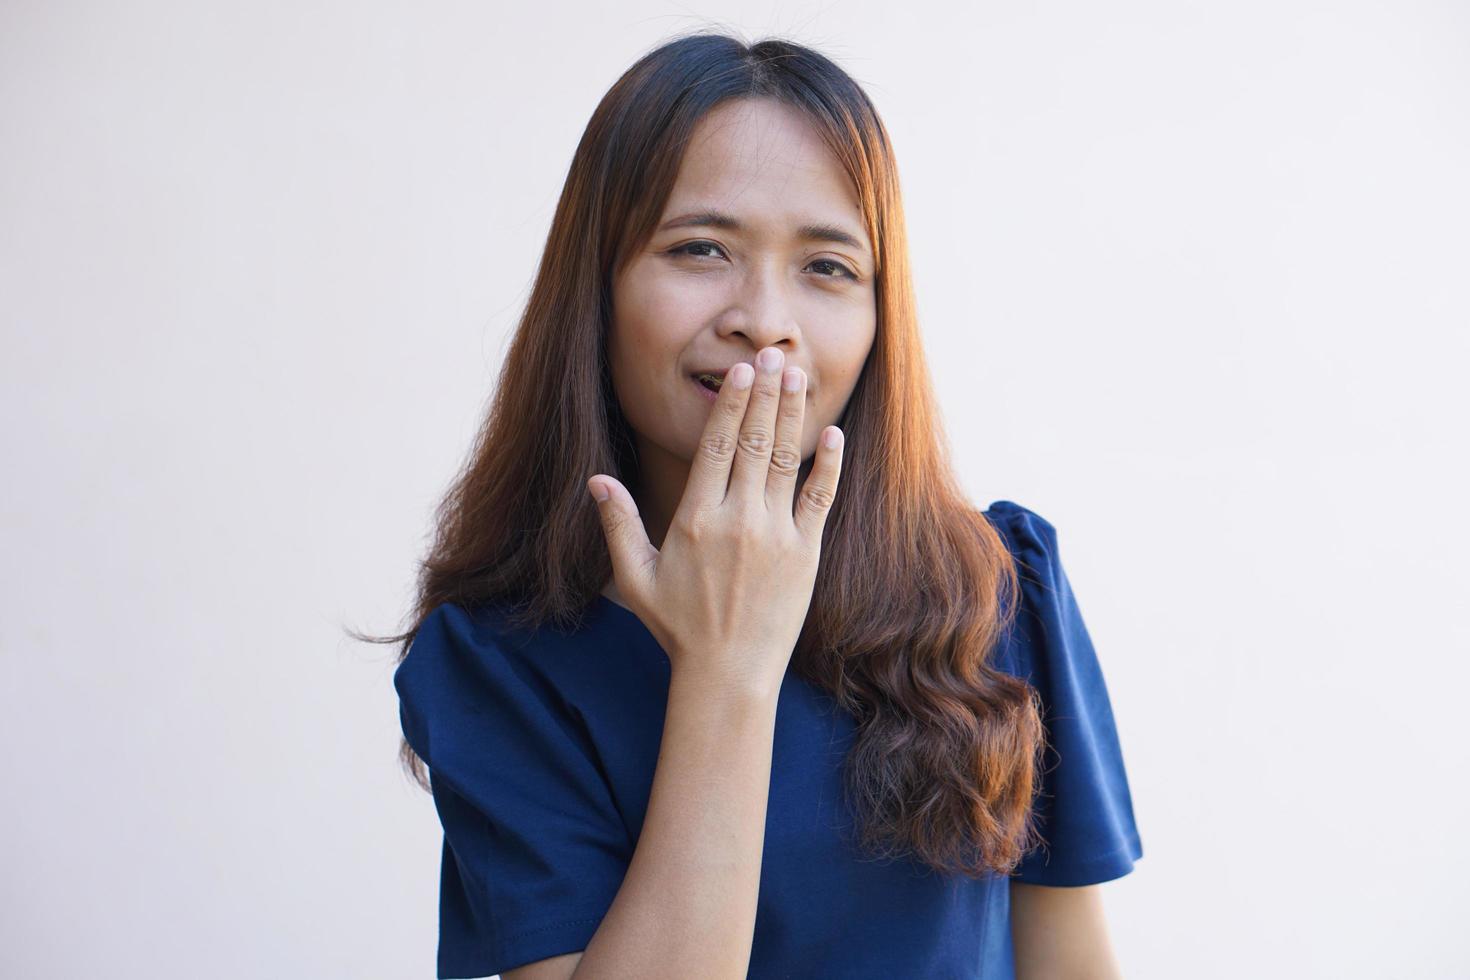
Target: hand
727	594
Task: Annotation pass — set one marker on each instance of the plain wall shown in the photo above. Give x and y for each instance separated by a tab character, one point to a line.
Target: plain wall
1192	279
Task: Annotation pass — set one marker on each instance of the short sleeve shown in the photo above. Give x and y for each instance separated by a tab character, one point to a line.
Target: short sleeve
535	849
1084	809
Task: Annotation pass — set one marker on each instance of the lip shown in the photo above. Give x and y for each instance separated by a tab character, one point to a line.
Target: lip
710	396
720	373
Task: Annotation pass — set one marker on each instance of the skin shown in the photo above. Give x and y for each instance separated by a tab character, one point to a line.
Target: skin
680	306
1061	934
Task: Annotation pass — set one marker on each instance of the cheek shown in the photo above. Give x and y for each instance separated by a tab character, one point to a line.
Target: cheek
635	386
844	353
646	343
633	338
656	316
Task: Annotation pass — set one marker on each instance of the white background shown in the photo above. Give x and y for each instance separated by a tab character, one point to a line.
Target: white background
1192	279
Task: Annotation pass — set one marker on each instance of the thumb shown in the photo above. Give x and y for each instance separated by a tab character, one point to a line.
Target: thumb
632	552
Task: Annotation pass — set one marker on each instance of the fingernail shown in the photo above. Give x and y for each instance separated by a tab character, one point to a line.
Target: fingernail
832	438
742	375
599	492
791	380
769	359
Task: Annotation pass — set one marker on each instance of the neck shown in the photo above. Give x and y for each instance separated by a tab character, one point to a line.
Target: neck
658	487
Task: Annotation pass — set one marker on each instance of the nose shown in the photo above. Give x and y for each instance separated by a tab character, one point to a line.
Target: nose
763	311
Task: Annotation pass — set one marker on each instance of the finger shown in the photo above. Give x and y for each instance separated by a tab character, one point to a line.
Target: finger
633	554
786	451
709	472
757	430
820	488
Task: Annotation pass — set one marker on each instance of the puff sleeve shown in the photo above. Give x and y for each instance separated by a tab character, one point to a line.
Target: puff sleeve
1084	809
535	848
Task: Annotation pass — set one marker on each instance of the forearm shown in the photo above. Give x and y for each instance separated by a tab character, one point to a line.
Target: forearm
687	903
1061	934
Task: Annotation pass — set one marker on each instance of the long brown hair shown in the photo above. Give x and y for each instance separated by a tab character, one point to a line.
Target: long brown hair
915	587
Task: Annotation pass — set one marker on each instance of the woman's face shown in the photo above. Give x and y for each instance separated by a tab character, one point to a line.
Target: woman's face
702	296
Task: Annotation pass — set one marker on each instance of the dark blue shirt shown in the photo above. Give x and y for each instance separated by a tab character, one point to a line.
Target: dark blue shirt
541	749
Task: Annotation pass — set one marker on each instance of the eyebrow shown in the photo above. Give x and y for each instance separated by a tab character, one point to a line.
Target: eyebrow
808	232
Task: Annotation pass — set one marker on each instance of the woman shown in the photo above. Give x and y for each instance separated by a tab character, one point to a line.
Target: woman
715	672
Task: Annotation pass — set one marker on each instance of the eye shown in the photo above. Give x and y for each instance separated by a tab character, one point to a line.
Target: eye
843	272
684	249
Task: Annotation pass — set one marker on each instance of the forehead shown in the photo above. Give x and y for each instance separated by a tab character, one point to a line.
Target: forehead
765	164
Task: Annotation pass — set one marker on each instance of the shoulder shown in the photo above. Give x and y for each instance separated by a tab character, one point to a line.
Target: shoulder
1047	628
463	662
468	682
454	666
469	634
1014	519
450	639
473	659
1031	538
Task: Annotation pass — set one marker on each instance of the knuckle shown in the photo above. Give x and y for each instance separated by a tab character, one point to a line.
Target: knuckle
717	444
755	441
819	496
688	526
785	460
